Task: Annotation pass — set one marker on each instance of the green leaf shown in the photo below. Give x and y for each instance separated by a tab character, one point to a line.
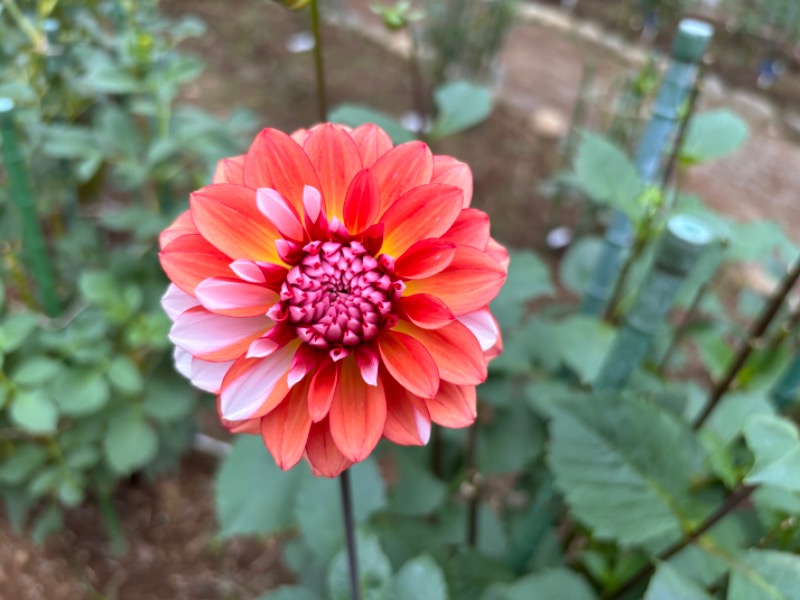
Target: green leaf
419	578
374	572
253	496
607	455
713	134
167	403
34	412
461	105
356	114
50	521
578	265
770	575
82	457
776	444
25	460
290	593
607	175
15	329
415	491
582	343
80	392
36	371
318	504
528	279
669	584
469	573
555	584
130	442
124	375
510	441
735	410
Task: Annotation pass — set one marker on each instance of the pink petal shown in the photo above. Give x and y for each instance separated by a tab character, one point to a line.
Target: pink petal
175	301
183	362
213	337
190	259
322	453
248	270
208	376
408	422
305	360
368	361
283	216
248	388
235	298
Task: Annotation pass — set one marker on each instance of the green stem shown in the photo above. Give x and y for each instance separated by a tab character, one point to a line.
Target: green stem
37	39
319	65
739	495
119	545
753	340
350	534
22	196
681	329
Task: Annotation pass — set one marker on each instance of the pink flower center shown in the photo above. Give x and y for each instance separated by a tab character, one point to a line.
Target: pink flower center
339	294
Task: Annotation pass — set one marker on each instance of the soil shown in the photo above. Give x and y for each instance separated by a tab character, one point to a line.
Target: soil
170	524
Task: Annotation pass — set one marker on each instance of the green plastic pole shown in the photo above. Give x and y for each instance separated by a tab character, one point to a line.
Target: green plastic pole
22	197
681	246
787	389
690	44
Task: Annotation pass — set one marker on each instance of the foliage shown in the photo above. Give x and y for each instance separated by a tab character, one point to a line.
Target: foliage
90	397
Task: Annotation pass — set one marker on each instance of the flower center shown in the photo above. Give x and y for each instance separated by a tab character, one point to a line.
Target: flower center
339	294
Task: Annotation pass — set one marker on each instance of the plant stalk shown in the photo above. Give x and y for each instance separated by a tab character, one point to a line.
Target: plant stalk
350	534
745	349
418	97
738	496
473	479
683	326
319	65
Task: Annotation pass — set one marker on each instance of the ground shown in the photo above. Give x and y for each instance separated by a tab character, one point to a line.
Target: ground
170	524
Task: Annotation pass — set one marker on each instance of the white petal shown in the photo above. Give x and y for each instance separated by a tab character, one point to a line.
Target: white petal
208	376
248	270
224	294
183	362
243	396
175	301
483	326
201	332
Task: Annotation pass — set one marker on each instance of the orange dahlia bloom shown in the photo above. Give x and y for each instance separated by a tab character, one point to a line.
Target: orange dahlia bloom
332	289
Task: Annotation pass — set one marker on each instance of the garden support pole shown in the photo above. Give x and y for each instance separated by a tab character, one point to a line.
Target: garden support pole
679	250
788	386
688	48
22	197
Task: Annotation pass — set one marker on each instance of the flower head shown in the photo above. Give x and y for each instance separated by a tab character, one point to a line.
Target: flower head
332	289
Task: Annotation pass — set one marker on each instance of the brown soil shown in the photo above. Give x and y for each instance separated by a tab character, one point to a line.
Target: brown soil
170	524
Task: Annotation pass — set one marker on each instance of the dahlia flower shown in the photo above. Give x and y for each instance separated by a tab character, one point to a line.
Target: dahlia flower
332	289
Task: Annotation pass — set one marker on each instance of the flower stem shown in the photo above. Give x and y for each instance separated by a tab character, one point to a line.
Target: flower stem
738	496
349	532
319	65
473	479
754	340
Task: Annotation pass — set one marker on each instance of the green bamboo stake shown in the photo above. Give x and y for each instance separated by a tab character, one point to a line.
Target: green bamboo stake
690	44
22	197
681	246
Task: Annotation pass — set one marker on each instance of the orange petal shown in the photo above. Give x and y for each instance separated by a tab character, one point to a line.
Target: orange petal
447	169
454	349
454	406
426	211
424	311
335	157
409	363
228	217
498	253
372	142
408	422
401	169
276	161
230	170
190	259
322	453
181	226
285	429
470	282
470	229
362	203
358	413
424	259
320	393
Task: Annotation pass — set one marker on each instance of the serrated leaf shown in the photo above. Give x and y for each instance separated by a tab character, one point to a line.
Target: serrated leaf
356	114
252	495
130	442
669	584
374	572
419	578
770	575
607	175
735	410
415	491
713	134
555	584
776	445
528	279
80	392
34	412
315	515
461	105
607	455
510	441
469	573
